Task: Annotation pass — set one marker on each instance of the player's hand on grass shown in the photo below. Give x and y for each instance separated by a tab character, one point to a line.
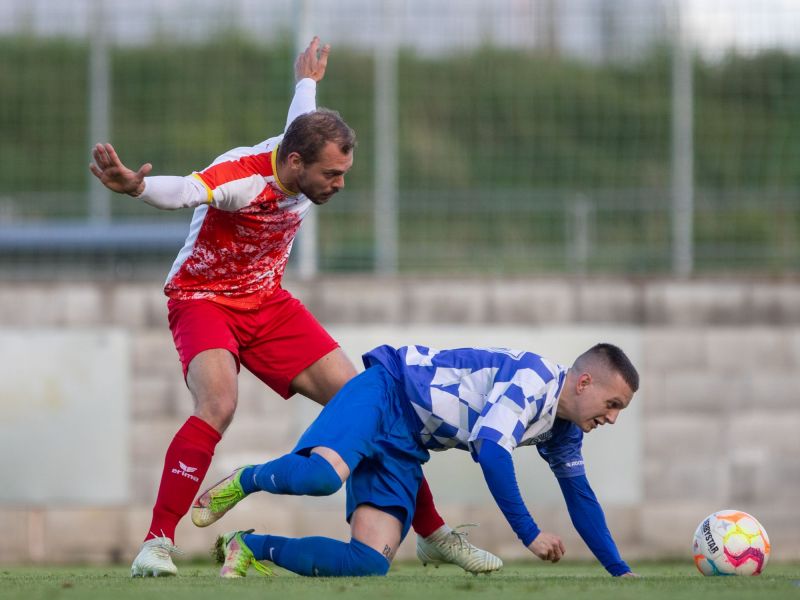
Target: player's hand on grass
312	62
631	574
547	546
108	168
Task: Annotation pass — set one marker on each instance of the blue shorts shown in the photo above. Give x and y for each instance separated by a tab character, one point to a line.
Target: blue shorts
373	428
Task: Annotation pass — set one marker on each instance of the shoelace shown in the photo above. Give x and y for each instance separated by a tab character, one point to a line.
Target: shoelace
163	549
461	536
262	568
247	558
221	499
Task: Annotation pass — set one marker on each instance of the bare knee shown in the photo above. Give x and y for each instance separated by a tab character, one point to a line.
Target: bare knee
217	411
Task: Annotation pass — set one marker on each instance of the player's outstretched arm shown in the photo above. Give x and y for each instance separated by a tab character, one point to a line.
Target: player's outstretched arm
108	168
309	68
590	522
498	470
165	192
312	62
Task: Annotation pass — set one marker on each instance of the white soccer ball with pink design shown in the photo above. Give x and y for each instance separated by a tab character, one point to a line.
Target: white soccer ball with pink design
731	542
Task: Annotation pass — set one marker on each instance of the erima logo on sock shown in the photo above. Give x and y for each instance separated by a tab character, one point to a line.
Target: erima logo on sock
186	471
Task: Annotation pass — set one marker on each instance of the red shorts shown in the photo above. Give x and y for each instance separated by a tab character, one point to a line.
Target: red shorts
275	342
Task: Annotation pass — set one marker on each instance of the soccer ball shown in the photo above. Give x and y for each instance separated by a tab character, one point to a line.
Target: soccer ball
730	542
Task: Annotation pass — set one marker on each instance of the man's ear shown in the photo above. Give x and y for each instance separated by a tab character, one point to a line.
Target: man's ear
294	160
584	381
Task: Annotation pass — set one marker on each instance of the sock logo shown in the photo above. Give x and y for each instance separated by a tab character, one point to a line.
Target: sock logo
186	471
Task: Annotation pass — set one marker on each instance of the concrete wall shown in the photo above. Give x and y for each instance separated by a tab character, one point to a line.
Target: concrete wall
716	424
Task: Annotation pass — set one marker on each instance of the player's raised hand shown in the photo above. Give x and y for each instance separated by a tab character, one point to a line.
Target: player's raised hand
547	546
312	61
108	168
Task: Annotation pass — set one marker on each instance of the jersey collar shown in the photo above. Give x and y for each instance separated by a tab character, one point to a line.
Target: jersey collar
274	159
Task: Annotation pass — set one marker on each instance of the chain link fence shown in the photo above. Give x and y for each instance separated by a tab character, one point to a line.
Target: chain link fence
512	137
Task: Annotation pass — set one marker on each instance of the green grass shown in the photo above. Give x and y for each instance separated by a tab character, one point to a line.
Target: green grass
529	580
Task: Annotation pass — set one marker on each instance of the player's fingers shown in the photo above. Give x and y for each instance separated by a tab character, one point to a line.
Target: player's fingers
323	56
311	50
112	155
144	170
95	171
99	155
562	548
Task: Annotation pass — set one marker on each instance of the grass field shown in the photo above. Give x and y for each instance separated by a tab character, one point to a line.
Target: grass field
409	580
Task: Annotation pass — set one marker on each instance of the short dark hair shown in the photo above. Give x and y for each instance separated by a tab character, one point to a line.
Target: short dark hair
615	359
309	133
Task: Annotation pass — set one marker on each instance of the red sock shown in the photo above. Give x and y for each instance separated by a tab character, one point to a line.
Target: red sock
185	466
426	519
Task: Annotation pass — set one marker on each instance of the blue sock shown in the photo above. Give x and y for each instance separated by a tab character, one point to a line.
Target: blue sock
318	556
246	480
293	474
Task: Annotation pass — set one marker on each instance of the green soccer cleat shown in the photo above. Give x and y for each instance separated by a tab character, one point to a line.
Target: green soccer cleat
447	545
235	557
218	499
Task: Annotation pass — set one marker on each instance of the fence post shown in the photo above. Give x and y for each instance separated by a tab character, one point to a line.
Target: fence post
99	208
307	238
386	117
579	233
682	149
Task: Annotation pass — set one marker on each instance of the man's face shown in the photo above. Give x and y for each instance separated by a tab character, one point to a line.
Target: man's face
320	180
600	400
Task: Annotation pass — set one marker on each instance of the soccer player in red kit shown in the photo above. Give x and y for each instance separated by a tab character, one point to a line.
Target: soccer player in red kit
227	307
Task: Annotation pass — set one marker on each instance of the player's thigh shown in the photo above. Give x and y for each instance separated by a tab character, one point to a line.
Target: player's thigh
377	529
291	351
348	425
325	377
198	326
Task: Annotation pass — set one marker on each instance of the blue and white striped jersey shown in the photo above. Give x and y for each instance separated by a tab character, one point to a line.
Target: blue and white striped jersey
466	395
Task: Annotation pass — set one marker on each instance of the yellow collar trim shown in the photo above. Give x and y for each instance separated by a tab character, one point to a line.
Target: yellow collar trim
274	159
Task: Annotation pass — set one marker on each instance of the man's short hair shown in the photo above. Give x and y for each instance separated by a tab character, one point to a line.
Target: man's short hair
309	133
612	358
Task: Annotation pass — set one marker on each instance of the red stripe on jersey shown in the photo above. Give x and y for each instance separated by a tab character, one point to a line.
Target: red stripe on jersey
224	172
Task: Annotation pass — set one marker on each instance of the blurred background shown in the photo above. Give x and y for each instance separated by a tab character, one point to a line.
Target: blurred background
533	173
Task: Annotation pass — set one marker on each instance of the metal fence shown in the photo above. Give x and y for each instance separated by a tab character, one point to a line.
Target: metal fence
508	137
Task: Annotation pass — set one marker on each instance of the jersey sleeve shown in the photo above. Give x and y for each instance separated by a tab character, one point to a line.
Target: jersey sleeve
563	450
169	192
498	471
237	177
304	100
590	522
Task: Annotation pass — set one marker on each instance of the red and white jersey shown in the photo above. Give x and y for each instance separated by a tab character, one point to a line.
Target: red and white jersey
239	240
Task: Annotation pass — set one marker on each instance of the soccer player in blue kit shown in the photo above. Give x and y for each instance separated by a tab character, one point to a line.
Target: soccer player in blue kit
377	432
